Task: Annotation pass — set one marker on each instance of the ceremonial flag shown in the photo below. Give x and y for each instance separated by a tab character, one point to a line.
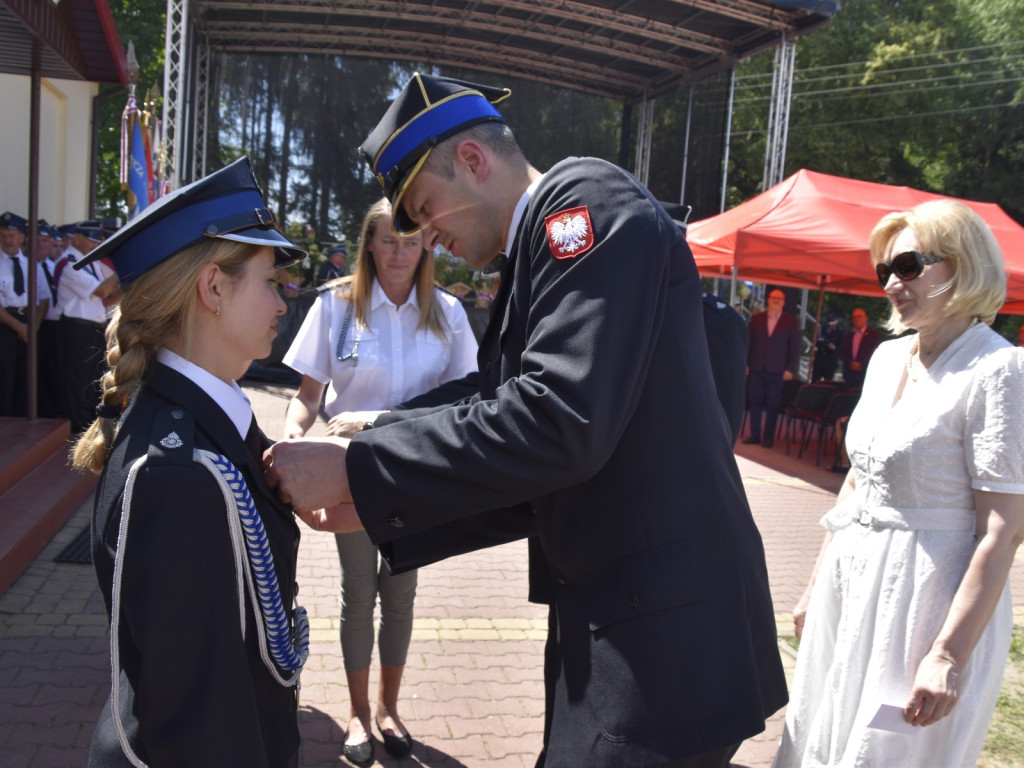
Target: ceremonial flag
140	170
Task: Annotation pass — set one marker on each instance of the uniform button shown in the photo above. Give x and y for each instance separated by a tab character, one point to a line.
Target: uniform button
634	601
396	522
177	413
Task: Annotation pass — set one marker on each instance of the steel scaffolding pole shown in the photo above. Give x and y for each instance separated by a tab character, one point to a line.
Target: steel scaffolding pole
643	140
201	107
778	115
175	65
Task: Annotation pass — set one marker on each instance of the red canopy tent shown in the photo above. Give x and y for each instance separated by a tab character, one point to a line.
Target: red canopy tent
811	231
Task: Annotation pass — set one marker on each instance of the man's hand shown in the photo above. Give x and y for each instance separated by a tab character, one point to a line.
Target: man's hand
787	375
347	423
341	518
309	474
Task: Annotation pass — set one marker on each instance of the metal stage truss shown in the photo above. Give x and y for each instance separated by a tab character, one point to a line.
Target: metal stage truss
630	51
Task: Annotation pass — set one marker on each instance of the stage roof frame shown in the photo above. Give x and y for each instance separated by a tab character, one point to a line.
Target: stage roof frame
625	50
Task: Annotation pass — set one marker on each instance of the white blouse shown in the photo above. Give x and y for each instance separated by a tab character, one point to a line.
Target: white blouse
388	362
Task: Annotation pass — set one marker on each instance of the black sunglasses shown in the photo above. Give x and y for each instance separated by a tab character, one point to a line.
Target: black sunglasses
907	266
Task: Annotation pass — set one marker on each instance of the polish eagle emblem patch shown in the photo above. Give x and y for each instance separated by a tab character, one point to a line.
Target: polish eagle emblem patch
569	232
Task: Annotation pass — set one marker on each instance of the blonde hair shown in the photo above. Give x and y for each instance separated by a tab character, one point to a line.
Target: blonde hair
954	232
158	307
359	287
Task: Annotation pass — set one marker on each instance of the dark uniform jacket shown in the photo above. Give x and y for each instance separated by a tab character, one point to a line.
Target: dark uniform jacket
598	409
193	692
778	352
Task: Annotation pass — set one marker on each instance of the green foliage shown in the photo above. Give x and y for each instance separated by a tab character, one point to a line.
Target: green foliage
921	94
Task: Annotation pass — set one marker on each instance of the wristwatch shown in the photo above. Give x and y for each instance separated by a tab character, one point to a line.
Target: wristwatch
366	425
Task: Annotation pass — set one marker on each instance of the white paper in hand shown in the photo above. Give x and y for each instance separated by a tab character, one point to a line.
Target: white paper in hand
890	718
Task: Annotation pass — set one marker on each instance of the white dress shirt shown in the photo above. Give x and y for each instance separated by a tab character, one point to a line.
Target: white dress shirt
75	287
8	298
230	397
393	360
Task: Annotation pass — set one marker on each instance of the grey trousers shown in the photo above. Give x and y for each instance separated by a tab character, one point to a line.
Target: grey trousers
363	577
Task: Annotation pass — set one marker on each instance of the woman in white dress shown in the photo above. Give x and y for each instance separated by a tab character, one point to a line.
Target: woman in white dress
909	605
374	340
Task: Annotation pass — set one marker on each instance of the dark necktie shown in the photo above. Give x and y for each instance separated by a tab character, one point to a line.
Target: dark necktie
252	442
49	279
19	276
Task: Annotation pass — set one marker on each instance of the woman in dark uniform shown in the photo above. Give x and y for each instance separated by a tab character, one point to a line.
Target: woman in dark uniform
195	556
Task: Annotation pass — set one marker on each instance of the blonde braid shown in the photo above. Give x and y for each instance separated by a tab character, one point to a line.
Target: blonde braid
128	357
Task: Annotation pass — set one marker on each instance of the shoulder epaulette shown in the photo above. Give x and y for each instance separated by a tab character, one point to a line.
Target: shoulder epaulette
337	282
173	436
442	289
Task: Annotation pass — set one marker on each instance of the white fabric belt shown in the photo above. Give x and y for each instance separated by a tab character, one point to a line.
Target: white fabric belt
850	512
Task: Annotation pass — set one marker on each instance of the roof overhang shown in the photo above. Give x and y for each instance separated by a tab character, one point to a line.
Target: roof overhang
622	50
79	40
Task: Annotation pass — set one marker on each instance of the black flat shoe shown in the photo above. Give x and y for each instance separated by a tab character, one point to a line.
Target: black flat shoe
396	746
359	754
752	441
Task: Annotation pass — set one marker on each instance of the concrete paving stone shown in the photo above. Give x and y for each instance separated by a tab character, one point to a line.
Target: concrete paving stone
520	689
25	757
91	631
479	634
501	747
425	707
429	676
523	726
49	735
48	694
505	707
491	725
14	603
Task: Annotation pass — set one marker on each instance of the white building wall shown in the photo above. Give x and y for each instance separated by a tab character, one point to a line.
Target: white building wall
64	147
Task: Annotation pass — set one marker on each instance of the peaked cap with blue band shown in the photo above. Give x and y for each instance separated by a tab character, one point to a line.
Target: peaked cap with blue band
227	205
10	220
427	111
91	228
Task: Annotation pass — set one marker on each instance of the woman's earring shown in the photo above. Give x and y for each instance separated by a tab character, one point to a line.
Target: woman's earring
218	311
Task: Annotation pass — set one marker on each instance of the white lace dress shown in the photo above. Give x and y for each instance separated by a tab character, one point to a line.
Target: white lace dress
901	543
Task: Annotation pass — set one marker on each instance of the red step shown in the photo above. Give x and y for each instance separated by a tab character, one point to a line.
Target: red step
39	490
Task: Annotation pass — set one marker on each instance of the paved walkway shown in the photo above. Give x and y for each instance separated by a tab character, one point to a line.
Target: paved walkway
473	692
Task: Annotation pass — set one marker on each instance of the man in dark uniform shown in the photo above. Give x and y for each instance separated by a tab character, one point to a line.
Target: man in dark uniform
826	350
86	297
49	389
594	387
335	266
772	357
15	272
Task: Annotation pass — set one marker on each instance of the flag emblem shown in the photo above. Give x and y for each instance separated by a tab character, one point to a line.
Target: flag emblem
569	232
